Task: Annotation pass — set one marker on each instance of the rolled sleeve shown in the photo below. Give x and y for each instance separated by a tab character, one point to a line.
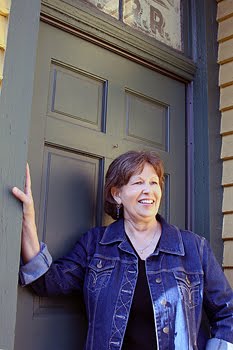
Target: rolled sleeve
36	267
218	344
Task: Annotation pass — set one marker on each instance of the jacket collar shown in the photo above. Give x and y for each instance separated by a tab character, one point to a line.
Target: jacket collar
113	233
170	241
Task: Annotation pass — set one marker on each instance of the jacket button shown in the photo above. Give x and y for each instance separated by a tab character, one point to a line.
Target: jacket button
100	265
166	330
163	302
158	280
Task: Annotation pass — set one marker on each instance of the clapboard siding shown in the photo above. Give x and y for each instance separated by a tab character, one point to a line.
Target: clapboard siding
4	15
225	60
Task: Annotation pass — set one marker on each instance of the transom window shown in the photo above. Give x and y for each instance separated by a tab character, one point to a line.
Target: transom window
160	19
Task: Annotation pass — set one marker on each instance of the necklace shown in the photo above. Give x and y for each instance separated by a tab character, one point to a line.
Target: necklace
141	250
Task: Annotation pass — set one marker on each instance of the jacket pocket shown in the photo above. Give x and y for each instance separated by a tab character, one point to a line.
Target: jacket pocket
99	273
189	287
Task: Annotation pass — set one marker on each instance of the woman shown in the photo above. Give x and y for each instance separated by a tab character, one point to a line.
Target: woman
144	282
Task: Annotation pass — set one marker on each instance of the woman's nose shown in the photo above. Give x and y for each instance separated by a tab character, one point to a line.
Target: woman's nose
146	188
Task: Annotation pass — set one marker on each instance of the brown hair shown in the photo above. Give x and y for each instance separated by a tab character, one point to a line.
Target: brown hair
121	170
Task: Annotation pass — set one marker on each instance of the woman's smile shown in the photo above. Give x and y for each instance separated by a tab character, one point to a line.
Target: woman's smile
146	201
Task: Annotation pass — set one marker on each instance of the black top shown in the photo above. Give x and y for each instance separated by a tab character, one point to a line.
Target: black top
140	332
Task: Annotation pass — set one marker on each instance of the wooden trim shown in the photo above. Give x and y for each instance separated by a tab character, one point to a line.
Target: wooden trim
207	192
2	47
4	11
15	110
98	28
190	182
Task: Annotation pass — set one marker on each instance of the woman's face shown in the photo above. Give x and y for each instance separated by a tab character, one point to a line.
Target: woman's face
141	196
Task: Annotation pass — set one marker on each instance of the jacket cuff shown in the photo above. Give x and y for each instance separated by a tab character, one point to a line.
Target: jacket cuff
36	267
218	344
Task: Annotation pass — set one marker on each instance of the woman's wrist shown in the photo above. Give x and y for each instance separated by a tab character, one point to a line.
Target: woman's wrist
30	246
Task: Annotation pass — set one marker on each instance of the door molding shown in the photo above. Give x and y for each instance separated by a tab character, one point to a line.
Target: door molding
207	167
15	109
91	24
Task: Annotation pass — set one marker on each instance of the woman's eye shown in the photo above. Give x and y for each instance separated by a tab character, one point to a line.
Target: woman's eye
154	182
138	182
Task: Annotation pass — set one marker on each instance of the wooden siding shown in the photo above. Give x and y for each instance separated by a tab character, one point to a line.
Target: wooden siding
4	14
225	60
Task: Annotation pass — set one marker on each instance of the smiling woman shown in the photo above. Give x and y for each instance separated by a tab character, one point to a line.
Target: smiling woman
126	169
139	197
144	281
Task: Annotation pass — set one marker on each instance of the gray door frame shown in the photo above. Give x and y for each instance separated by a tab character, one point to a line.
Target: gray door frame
15	113
204	213
206	168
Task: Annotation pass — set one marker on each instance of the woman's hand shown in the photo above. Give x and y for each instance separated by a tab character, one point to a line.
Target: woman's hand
30	246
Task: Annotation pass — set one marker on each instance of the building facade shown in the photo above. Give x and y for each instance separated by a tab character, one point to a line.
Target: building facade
76	79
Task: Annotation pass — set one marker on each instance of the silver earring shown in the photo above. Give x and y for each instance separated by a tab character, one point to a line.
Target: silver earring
118	207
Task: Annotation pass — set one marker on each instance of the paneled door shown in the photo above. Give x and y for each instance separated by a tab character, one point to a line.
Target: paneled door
89	106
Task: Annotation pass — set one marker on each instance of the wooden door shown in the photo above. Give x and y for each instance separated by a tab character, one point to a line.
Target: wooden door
89	106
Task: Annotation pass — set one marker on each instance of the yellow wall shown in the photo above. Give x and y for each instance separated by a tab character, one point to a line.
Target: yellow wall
225	60
4	15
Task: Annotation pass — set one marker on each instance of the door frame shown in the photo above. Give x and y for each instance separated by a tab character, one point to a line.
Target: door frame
206	169
15	108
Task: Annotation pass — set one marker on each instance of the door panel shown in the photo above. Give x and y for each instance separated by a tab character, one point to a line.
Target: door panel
69	89
71	190
146	121
89	106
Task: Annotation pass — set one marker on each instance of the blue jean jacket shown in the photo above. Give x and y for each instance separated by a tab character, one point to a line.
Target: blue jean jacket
183	276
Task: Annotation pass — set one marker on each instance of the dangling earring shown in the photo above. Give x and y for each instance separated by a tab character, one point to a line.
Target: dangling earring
118	207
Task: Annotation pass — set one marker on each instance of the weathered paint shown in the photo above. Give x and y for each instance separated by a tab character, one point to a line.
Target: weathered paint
15	110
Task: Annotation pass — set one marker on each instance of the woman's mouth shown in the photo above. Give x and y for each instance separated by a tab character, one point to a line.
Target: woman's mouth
146	201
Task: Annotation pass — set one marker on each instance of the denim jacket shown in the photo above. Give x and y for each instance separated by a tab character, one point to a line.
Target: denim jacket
183	276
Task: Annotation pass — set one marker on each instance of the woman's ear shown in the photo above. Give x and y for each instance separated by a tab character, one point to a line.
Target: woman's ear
115	192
